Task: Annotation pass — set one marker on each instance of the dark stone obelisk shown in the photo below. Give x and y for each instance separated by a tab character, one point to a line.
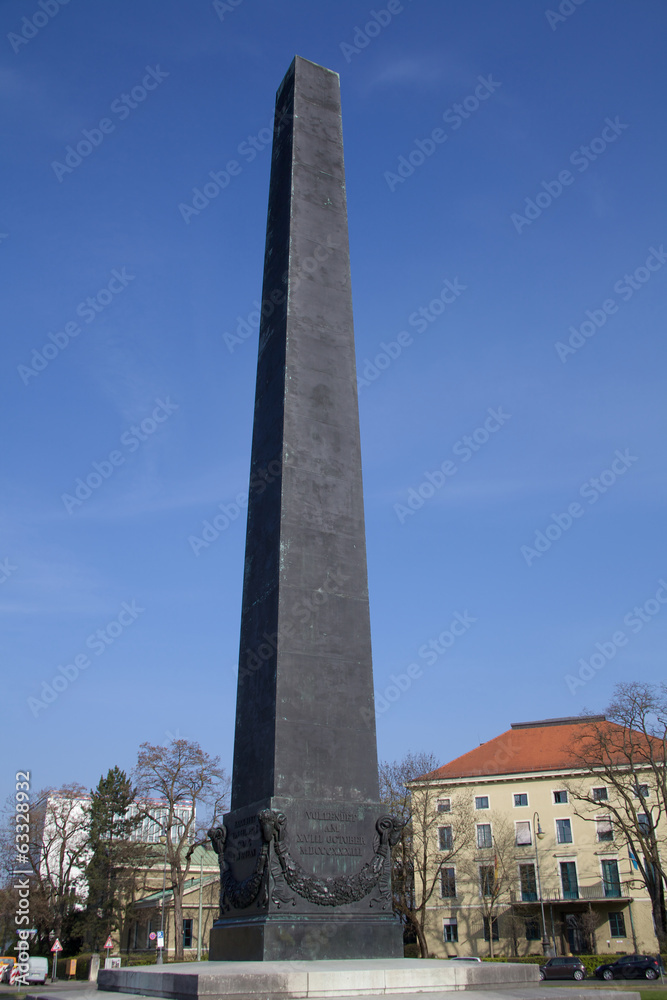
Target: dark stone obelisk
304	851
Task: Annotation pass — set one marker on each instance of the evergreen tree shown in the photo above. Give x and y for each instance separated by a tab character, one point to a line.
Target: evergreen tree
114	857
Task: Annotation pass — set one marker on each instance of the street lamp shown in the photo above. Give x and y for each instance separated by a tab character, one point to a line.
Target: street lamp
538	834
159	960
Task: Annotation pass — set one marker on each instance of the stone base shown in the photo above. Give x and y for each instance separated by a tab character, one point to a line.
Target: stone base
281	939
283	980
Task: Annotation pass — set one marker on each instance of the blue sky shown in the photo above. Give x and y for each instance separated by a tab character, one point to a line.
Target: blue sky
505	176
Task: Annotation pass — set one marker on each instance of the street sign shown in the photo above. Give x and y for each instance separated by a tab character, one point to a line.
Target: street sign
152	935
160	939
108	943
56	946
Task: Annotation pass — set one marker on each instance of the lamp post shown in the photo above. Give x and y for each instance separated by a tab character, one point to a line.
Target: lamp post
159	960
201	883
538	834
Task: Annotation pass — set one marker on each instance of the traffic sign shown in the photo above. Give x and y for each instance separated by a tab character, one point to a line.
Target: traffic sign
160	939
108	943
56	946
152	935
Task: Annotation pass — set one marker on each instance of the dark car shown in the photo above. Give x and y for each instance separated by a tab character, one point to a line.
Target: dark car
631	967
566	967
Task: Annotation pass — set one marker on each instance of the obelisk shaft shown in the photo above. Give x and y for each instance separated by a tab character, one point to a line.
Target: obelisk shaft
305	851
305	669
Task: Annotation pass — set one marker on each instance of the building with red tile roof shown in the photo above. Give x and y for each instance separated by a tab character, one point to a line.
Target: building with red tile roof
525	816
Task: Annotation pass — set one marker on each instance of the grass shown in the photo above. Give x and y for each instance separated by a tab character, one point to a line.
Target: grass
646	991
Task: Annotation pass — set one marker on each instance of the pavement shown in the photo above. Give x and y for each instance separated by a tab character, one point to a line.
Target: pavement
542	992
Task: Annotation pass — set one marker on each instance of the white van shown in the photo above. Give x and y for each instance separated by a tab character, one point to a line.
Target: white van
38	969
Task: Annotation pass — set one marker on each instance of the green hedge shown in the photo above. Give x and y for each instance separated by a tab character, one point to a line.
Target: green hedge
83	963
526	959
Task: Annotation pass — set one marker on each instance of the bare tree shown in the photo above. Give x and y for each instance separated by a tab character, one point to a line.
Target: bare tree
492	872
182	777
57	854
624	753
429	839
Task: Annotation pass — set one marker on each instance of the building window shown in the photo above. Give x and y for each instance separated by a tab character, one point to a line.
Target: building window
187	933
450	930
532	929
149	927
568	877
484	838
494	928
523	837
560	798
521	799
563	831
487	880
642	790
152	827
616	924
448	883
611	880
444	805
644	824
481	802
528	883
605	829
600	794
445	839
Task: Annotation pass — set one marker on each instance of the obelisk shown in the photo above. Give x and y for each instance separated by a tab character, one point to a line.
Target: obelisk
305	849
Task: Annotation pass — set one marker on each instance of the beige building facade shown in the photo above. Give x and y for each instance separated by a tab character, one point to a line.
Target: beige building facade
536	870
155	911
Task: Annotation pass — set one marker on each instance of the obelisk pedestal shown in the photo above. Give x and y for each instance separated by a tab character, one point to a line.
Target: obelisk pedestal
305	850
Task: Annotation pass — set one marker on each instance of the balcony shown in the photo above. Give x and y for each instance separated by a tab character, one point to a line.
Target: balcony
584	893
599	890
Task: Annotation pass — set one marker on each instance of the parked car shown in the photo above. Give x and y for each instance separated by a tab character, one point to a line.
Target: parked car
565	967
466	958
38	969
631	967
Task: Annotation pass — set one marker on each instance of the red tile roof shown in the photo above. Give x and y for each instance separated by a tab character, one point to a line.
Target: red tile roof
527	747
